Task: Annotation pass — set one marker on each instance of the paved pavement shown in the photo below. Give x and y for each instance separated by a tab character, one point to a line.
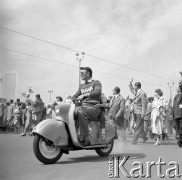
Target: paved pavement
17	161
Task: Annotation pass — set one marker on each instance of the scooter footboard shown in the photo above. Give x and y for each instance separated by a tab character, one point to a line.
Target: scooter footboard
53	130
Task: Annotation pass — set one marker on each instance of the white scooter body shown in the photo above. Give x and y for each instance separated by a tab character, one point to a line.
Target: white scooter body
60	133
55	130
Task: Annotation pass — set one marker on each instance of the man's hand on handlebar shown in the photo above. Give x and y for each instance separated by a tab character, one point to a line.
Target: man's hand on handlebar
82	96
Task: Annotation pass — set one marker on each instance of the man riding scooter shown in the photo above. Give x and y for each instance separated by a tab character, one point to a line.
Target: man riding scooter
89	93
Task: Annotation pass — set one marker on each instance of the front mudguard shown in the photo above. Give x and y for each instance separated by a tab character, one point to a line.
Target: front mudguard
53	130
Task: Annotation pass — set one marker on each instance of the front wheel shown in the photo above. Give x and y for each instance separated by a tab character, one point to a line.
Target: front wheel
45	151
105	151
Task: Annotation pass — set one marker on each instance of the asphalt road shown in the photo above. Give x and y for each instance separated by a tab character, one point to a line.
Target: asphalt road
17	161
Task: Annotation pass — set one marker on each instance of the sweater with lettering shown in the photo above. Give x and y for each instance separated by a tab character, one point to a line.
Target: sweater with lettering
94	88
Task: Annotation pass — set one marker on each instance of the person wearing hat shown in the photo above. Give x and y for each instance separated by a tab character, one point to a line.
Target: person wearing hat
116	111
89	93
140	107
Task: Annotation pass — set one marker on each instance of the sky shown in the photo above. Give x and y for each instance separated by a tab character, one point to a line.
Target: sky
141	34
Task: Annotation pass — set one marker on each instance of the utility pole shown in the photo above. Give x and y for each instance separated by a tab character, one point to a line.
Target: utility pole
79	59
50	92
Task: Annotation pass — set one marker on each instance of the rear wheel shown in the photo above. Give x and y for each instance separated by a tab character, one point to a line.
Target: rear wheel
45	151
105	151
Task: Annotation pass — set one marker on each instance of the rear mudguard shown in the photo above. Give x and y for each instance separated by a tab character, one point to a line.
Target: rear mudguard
53	130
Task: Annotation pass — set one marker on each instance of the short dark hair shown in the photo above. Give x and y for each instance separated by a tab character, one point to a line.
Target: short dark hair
60	98
19	103
88	69
37	95
159	92
17	100
11	101
150	99
7	103
117	89
23	105
138	85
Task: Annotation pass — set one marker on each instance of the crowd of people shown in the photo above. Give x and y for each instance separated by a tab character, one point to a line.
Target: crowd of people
22	117
152	117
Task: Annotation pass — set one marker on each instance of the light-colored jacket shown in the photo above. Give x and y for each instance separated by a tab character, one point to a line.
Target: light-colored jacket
139	100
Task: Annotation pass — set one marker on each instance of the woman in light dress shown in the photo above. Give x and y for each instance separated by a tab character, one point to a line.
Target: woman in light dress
158	106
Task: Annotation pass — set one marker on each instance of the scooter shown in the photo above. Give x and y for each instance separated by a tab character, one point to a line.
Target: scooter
53	137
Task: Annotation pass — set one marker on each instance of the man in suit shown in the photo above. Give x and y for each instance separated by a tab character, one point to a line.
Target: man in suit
177	113
116	111
140	106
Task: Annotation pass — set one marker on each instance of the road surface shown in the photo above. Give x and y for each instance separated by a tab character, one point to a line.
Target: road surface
19	163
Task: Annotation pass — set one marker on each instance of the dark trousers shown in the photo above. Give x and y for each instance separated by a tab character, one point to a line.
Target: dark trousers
102	119
85	114
139	128
146	126
177	123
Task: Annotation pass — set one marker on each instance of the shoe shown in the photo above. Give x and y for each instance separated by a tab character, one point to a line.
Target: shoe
157	143
23	134
177	137
31	134
145	139
81	141
85	143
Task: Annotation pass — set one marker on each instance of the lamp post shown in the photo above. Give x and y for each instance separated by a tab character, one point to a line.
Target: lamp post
50	92
79	59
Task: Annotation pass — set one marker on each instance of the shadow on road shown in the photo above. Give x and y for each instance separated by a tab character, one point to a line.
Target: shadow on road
97	158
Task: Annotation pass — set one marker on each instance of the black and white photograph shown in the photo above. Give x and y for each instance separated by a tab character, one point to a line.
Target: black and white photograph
90	89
